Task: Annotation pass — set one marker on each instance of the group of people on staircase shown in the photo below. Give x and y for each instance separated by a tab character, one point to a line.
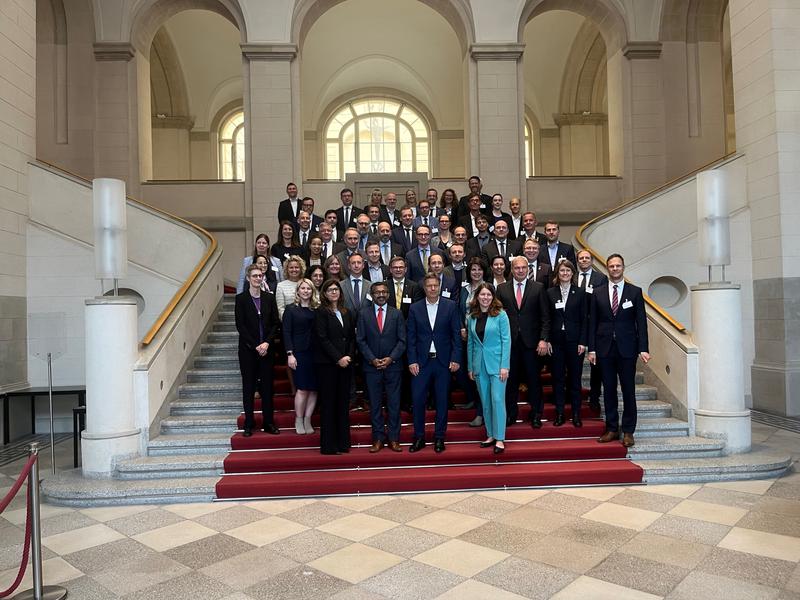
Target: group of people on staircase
400	304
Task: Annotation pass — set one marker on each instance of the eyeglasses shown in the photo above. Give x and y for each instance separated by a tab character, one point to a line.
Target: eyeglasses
256	275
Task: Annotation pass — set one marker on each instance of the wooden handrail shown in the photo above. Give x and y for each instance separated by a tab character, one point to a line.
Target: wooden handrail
579	236
212	247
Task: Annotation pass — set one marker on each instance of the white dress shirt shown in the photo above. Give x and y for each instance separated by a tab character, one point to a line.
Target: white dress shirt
432	310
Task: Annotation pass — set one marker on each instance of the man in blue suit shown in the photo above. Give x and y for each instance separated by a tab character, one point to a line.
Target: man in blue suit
434	352
381	338
418	257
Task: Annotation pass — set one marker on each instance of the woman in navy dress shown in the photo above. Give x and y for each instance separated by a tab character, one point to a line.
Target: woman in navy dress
298	327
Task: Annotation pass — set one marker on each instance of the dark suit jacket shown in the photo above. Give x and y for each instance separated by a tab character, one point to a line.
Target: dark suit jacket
539	238
395	249
334	340
543	274
373	343
491	250
386	274
341	226
412	292
285	211
344	254
473	248
399	237
446	334
596	279
416	270
564	250
385	216
463	205
247	319
452	287
298	328
465	222
531	323
573	317
504	216
628	328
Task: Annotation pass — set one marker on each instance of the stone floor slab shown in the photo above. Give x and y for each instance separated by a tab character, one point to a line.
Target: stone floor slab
461	558
356	562
597	589
639	573
771	545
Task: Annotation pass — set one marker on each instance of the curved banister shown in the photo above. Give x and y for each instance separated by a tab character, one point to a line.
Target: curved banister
212	246
579	235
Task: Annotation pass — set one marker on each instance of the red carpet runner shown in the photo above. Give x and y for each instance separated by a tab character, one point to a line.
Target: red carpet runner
290	464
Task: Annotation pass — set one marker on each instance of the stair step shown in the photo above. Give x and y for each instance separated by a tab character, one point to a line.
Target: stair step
224	326
451	478
222	336
219	348
673	448
760	463
196	443
185	465
218	361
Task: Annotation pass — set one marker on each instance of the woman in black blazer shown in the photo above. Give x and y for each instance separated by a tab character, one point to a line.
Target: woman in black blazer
334	328
568	338
257	323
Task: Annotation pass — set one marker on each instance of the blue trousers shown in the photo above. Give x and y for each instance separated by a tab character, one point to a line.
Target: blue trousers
437	375
378	382
493	399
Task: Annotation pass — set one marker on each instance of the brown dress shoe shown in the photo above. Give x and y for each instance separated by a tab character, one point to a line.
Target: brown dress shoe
395	447
608	436
376	447
627	440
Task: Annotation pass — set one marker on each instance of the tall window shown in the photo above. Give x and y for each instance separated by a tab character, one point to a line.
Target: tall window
528	150
231	147
376	135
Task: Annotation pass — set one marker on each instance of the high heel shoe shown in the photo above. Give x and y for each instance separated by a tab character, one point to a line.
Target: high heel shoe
298	425
488	444
307	425
499	449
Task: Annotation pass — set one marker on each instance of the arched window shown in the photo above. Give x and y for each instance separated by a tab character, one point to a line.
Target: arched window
231	147
376	135
528	150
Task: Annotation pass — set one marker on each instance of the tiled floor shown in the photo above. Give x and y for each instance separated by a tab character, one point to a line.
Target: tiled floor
718	540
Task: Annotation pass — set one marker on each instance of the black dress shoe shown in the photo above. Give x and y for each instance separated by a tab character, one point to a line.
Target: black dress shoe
499	449
247	433
536	421
418	445
594	405
271	429
438	445
487	444
559	420
576	421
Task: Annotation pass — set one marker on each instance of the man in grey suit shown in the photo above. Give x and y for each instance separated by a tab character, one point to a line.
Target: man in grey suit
355	286
381	338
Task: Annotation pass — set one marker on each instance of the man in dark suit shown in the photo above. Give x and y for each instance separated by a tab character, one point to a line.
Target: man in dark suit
332	219
525	303
288	209
346	214
308	206
350	247
457	269
329	247
403	292
418	257
554	252
469	220
537	271
389	211
355	287
515	206
475	189
588	279
475	245
374	214
404	235
434	352
528	232
303	228
617	337
447	284
500	245
381	338
387	246
375	270
425	216
364	231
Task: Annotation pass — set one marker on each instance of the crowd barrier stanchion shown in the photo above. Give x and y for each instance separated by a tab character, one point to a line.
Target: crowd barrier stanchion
33	536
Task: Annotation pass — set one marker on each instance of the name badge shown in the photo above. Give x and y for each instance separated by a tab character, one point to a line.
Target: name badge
368	297
491	229
396	223
560	304
483	205
445	293
406	300
627	304
276	269
589	289
464	283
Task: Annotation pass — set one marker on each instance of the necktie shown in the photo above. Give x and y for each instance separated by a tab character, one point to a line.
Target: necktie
357	291
425	258
532	271
347	216
519	295
303	239
502	248
425	220
324	250
380	319
398	294
408	236
386	254
583	281
614	301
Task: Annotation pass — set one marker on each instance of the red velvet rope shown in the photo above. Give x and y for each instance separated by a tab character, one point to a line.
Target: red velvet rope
27	544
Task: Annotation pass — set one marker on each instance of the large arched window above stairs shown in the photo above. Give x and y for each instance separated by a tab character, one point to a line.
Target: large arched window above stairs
376	135
231	147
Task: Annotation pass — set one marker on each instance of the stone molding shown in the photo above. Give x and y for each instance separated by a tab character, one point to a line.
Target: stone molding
122	51
580	119
269	51
499	51
642	50
172	122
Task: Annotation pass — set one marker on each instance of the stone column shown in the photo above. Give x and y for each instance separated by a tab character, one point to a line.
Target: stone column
111	352
117	148
765	40
271	109
500	118
637	142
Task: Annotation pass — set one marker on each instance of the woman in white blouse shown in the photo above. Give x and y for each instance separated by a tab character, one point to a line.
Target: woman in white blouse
293	270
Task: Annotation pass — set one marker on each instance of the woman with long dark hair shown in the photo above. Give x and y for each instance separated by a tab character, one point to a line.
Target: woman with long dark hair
274	268
288	244
334	327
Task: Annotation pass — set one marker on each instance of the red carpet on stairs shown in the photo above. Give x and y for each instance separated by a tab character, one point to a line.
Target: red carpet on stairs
290	465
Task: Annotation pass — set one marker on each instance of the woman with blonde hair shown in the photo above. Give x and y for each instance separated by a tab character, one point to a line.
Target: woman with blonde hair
293	269
298	327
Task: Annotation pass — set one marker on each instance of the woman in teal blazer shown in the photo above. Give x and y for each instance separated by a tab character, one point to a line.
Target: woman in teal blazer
488	361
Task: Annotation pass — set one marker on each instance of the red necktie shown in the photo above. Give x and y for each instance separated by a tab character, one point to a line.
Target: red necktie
614	301
380	319
519	295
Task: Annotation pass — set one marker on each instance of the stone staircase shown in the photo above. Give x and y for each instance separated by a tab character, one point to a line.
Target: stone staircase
185	460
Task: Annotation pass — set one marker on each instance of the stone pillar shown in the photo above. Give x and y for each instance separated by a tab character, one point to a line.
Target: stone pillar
716	314
117	132
111	352
500	118
637	142
765	40
271	111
